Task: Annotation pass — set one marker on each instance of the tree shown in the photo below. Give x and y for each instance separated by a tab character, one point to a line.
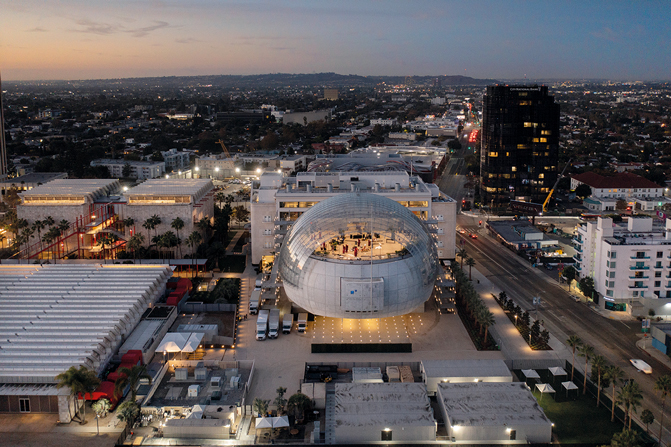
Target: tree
132	377
663	385
626	438
194	241
647	418
135	243
148	225
101	407
570	274
128	412
220	197
299	403
486	319
614	374
240	214
178	224
599	364
586	285
462	254
155	221
621	205
80	381
260	406
583	190
128	222
630	397
470	262
38	226
586	351
573	341
280	401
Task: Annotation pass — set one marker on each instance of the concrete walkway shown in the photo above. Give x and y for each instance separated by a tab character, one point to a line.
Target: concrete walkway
512	344
236	238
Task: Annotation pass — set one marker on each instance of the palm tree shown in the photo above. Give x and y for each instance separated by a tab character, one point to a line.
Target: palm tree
135	242
155	221
626	438
470	262
220	197
127	412
280	401
178	224
132	377
128	222
80	381
462	254
630	397
194	241
663	385
573	341
299	403
486	319
586	351
647	418
168	239
101	407
260	406
64	226
49	221
38	226
614	374
599	362
204	225
148	225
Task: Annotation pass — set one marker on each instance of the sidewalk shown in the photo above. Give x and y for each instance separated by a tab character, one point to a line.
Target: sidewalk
512	345
236	238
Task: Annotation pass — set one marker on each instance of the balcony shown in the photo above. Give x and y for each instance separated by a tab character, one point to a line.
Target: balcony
634	278
639	267
638	287
634	258
578	248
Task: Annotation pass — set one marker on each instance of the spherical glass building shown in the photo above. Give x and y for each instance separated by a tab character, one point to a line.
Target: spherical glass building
358	255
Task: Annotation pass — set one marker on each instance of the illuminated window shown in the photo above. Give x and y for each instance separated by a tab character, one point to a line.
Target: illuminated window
541	175
535	140
528	124
546	132
514	168
522	146
493	154
525	103
507	154
544	140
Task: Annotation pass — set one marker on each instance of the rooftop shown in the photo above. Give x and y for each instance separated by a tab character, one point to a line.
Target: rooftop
465	368
382	404
73	188
35	177
109	161
623	180
491	404
57	316
171	187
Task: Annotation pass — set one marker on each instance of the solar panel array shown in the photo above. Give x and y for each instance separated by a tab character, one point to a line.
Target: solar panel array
56	316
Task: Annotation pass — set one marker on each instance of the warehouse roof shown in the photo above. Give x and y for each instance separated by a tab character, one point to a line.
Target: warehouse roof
74	188
57	316
490	404
382	404
465	368
171	187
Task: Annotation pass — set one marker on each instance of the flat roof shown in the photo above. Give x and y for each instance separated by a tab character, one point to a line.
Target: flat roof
490	404
382	404
57	316
73	188
466	368
35	177
171	187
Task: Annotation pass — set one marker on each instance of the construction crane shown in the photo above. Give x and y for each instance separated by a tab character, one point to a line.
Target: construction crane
223	147
547	200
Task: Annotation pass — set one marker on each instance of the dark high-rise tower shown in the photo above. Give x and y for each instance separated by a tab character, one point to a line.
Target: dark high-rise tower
520	144
3	144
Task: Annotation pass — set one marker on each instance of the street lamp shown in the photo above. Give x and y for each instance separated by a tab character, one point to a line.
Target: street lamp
258	170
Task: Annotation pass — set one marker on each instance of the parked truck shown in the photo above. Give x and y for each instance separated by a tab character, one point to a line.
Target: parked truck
287	322
274	323
259	283
262	324
302	322
255	301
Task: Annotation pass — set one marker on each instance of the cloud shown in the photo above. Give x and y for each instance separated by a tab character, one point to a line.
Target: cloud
187	40
141	32
36	30
105	29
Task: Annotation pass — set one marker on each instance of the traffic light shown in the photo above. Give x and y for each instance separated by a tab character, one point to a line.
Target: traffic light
480	223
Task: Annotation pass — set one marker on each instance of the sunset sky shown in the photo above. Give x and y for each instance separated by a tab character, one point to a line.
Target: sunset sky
622	40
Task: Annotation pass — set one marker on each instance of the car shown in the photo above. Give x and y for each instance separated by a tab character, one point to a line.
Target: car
473	236
549	267
461	231
575	298
641	366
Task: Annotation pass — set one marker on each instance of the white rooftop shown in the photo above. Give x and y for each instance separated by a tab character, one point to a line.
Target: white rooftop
465	368
382	404
57	316
490	404
74	188
171	187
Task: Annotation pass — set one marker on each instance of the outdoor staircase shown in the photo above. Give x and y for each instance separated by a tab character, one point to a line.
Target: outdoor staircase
329	414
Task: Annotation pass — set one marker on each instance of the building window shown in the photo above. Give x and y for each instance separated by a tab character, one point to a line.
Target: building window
660	254
658	283
640	255
634	293
386	435
612	255
546	132
658	274
612	274
609	293
24	405
611	284
658	264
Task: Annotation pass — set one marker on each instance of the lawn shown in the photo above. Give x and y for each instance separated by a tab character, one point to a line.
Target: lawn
579	421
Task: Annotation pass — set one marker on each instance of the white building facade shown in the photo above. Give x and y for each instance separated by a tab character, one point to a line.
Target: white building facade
630	264
276	202
141	170
175	159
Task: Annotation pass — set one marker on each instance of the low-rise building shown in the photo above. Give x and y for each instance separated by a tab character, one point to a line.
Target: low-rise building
480	412
29	181
303	118
637	191
175	159
435	372
630	263
140	170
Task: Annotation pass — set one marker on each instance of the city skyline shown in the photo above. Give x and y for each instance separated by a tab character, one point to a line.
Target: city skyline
511	40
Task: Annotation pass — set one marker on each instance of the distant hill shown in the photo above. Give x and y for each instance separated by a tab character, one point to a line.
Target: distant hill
273	80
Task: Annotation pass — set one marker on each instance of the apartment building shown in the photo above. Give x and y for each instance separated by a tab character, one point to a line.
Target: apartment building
175	159
141	170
